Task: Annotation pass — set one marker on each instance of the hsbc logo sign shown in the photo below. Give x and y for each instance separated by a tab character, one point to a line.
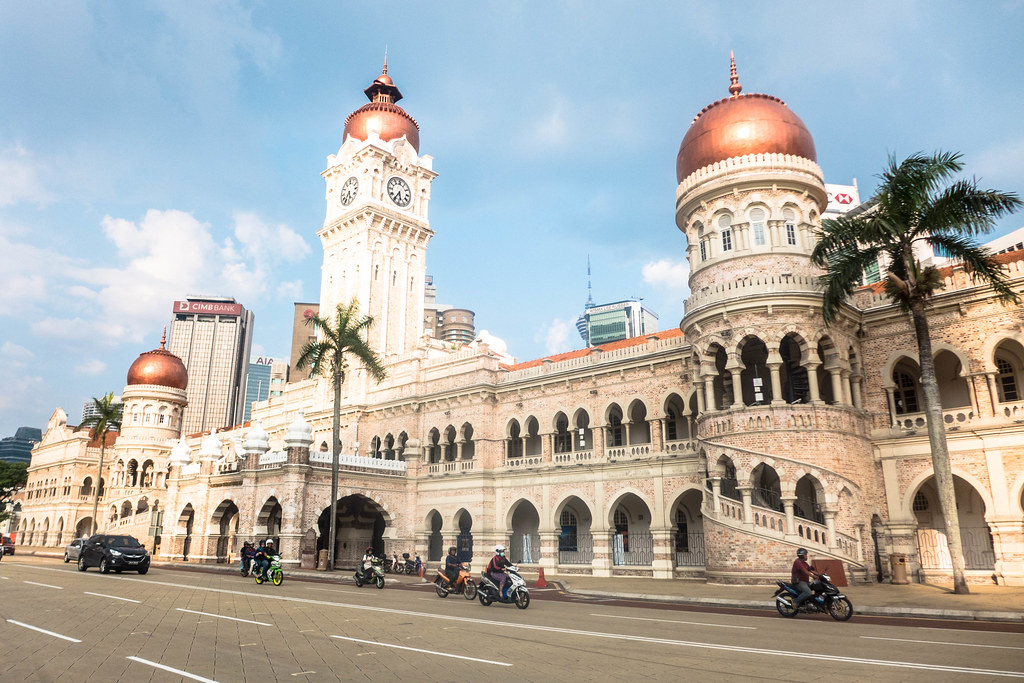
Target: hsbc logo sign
842	198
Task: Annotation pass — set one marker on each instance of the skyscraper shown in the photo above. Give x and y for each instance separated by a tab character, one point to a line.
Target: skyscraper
267	377
213	337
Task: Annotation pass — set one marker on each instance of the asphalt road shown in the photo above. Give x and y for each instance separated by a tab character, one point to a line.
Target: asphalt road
57	624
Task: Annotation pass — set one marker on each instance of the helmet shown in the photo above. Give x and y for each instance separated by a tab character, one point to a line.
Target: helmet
270	541
452	550
801	552
369	550
499	548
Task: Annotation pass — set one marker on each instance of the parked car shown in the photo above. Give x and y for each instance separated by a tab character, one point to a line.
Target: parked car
73	550
113	552
8	546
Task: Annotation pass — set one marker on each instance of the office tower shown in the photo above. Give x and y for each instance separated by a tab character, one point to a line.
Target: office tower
213	337
267	377
302	334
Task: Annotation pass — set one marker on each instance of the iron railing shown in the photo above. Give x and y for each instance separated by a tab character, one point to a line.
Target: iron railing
575	549
933	548
524	548
769	498
633	549
690	549
808	509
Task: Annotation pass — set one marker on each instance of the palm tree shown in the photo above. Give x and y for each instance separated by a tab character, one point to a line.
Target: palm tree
325	357
919	204
106	417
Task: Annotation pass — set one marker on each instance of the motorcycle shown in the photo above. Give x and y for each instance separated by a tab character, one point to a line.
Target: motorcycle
515	589
375	574
825	597
464	584
274	573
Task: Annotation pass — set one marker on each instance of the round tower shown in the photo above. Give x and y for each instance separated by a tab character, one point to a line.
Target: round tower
778	392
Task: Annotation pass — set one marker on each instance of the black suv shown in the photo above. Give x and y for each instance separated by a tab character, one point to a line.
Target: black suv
113	552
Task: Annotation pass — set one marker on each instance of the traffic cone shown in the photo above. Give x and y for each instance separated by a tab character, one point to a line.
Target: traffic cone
422	573
541	581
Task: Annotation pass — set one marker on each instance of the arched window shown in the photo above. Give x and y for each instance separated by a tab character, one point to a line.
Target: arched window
1006	381
789	216
725	228
905	395
757	233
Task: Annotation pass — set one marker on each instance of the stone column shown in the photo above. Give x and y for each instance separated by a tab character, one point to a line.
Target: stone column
1008	543
837	384
993	395
716	494
855	389
547	446
602	562
776	373
812	381
737	389
549	551
657	435
891	399
787	505
847	390
830	524
663	564
598	436
701	404
746	492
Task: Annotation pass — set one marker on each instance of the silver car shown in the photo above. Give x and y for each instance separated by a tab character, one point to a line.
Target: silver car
71	552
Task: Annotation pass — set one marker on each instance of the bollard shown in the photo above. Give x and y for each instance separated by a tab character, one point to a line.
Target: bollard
541	581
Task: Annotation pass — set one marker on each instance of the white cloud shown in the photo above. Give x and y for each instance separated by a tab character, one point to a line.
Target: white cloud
91	367
555	336
290	291
266	243
21	388
21	279
21	178
15	355
667	274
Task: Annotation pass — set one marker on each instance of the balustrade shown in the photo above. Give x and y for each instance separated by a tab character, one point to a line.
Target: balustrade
529	461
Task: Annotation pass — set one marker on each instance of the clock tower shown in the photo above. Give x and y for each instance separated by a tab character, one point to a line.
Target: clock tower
376	231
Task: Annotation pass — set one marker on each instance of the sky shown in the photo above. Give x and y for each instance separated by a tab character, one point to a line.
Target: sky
156	149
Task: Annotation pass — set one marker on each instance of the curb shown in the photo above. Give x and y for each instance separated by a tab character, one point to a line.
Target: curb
766	605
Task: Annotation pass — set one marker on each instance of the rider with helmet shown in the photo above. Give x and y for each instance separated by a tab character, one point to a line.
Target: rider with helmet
802	573
368	558
496	569
264	552
451	565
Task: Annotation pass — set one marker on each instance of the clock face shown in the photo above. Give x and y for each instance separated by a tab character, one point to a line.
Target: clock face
399	191
348	191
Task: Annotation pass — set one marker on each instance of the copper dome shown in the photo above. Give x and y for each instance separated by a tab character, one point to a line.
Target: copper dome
382	116
159	367
739	125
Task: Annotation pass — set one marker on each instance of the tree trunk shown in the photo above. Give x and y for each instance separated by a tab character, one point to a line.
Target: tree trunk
937	440
336	447
99	478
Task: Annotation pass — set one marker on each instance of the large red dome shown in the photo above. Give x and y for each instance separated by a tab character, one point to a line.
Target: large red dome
382	116
158	367
739	125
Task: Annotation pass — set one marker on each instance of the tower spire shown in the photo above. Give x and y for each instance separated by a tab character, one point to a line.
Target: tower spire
590	298
385	57
163	339
734	81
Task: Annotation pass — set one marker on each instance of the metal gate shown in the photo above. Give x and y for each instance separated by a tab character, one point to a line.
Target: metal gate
933	548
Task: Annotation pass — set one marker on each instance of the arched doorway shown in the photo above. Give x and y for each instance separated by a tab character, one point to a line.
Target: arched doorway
932	545
575	541
83	528
632	541
689	529
225	520
268	522
767	491
185	522
464	545
524	543
59	532
360	523
435	543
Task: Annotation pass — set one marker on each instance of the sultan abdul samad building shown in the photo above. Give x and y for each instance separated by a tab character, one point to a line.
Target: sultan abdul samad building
713	450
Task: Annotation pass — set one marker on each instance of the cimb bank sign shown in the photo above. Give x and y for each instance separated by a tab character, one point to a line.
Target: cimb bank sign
207	308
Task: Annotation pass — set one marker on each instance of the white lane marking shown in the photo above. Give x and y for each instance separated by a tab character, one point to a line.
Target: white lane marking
5	578
593	634
113	597
221	616
673	621
45	585
427	652
43	630
936	642
183	674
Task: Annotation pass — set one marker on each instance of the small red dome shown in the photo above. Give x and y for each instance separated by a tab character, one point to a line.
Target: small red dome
158	367
382	116
740	125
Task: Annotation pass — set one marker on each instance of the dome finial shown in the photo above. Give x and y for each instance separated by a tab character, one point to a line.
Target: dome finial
163	339
385	57
734	81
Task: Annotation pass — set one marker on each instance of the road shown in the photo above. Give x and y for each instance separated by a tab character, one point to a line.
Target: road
57	624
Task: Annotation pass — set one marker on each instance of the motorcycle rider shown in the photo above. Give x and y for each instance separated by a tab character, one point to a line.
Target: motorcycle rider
451	566
496	569
367	565
248	552
264	552
802	573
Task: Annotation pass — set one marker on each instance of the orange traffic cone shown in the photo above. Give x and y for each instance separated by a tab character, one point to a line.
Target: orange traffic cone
541	581
422	573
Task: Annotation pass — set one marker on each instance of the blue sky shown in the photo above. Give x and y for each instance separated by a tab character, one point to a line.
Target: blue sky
150	150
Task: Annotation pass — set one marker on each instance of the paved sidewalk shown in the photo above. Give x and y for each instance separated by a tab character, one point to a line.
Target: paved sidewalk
984	603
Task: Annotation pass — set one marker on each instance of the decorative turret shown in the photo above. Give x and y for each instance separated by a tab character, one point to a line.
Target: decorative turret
181	454
300	433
